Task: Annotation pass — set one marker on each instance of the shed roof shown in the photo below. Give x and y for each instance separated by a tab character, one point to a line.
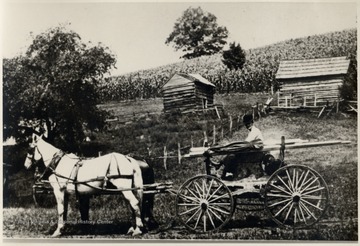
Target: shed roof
312	67
182	78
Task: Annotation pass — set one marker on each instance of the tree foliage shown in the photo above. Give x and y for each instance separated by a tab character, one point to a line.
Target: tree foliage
348	89
197	33
55	84
234	58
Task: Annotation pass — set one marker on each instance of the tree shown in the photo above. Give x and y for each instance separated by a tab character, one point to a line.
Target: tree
234	57
348	90
55	84
197	33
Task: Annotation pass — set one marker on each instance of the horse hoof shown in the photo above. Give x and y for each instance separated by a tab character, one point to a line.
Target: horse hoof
130	231
152	224
136	232
55	235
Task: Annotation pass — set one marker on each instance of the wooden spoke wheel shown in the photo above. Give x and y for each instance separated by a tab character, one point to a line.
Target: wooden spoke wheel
204	204
296	196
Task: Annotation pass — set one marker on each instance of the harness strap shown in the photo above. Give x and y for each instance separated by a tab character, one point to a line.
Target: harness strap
74	174
53	164
56	159
99	178
117	166
127	157
106	177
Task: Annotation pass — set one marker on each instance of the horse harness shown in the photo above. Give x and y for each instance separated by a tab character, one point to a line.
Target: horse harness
50	169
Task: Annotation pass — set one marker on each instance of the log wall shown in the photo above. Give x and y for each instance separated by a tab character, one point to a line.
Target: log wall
313	91
180	97
187	97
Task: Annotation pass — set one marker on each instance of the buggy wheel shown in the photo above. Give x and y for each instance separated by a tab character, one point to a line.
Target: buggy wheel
296	196
204	204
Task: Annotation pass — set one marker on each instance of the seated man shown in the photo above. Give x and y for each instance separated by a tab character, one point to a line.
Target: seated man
255	136
241	165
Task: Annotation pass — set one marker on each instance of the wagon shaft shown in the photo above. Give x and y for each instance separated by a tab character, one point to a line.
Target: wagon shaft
157	188
43	187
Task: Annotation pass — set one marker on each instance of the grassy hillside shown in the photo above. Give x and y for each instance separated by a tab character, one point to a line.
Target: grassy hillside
257	75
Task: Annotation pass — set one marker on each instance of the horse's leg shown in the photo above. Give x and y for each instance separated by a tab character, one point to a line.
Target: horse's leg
148	199
60	199
147	211
134	203
84	206
66	206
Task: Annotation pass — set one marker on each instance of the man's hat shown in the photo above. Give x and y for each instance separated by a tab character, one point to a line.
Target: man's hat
247	118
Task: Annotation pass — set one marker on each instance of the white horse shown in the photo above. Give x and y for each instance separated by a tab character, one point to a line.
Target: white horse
70	174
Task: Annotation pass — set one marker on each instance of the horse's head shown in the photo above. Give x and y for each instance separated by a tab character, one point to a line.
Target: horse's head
33	154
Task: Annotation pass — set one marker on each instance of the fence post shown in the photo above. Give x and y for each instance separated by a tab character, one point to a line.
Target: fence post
315	100
217	112
179	154
165	157
258	110
278	97
205	144
191	141
231	125
214	134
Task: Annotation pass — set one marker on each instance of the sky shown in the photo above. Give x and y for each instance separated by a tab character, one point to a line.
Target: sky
136	31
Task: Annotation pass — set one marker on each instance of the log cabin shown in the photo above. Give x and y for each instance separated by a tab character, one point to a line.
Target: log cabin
188	93
311	82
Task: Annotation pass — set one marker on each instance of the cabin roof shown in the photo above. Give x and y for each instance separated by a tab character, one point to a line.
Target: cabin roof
182	78
312	67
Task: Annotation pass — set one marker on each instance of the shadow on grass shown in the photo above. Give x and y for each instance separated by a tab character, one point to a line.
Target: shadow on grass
120	228
251	222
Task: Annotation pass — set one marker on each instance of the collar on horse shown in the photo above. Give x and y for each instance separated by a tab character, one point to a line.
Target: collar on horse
53	164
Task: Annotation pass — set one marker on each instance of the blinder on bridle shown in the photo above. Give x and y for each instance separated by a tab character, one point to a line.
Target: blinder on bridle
30	156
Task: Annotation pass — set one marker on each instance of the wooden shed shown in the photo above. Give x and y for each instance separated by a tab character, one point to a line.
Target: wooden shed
311	82
188	92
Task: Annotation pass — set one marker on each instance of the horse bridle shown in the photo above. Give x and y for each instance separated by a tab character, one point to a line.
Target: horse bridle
51	167
30	155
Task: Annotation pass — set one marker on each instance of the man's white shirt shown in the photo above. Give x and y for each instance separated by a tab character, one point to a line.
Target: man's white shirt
255	135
